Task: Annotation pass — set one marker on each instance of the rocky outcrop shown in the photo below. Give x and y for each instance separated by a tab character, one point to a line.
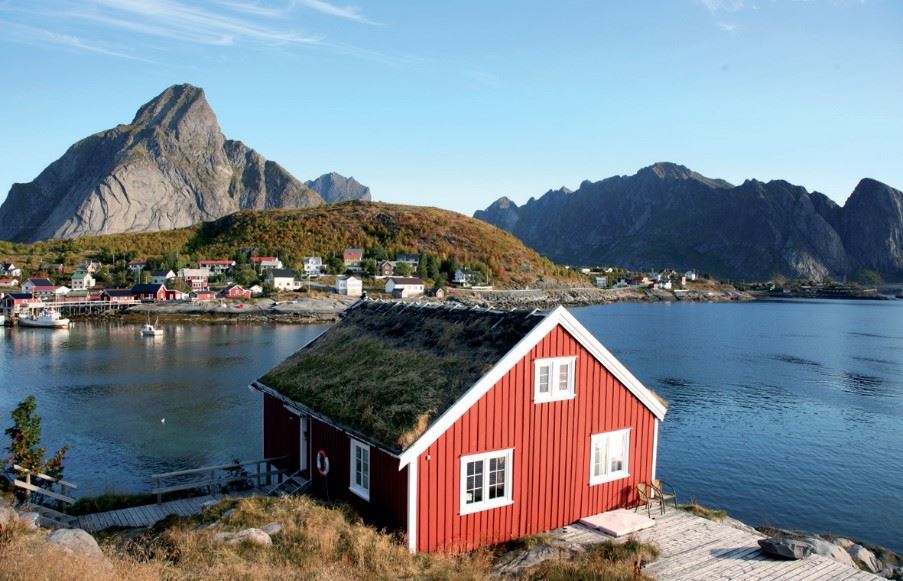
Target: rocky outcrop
334	188
75	541
667	215
170	167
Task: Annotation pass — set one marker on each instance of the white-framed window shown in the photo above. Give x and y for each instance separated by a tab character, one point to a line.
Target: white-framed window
486	480
360	469
553	379
609	456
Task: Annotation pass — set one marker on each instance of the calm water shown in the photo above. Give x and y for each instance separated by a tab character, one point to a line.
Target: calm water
787	413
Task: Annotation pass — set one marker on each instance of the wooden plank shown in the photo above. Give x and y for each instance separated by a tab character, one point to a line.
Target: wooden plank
44	491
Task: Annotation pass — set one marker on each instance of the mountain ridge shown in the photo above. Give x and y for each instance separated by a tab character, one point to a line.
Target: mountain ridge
670	216
170	167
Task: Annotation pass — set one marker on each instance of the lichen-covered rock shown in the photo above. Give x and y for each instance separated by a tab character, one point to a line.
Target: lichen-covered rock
252	536
272	528
830	550
29	519
75	541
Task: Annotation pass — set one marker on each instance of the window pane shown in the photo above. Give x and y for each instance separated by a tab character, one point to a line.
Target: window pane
544	373
497	477
599	453
563	371
474	491
617	453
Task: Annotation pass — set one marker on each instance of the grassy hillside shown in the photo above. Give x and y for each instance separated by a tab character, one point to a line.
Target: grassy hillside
325	231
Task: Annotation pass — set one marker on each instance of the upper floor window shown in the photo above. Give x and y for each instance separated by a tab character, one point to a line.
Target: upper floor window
360	469
609	456
554	379
485	481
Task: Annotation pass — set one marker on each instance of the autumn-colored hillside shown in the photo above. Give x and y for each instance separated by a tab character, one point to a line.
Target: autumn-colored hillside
324	231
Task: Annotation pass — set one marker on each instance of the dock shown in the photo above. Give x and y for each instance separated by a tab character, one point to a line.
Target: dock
694	548
147	515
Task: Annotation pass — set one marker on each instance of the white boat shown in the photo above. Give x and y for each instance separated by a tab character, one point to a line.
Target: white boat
149	330
47	318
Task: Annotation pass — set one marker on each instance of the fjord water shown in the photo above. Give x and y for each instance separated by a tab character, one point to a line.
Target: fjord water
789	413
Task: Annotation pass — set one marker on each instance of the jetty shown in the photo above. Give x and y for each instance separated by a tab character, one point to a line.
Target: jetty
695	548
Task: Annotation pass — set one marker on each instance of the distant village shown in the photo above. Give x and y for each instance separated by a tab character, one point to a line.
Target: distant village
354	272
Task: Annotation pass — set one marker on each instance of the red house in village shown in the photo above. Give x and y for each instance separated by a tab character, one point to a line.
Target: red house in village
235	292
462	427
149	292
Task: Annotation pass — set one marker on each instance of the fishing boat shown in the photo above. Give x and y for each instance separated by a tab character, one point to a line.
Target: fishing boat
149	330
47	318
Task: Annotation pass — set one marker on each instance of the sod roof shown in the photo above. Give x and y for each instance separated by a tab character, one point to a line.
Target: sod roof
388	370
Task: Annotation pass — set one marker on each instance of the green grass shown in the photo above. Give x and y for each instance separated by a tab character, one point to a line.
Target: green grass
108	501
705	512
607	561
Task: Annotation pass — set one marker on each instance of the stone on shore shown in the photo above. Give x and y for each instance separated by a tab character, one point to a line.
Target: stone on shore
252	536
865	557
75	541
785	548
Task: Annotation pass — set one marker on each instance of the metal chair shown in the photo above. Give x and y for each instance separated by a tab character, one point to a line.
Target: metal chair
665	491
648	497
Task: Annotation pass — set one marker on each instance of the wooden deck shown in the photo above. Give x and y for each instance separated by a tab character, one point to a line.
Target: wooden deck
143	516
699	549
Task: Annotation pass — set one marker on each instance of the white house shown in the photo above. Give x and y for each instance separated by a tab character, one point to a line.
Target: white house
349	285
691	275
601	281
467	277
313	265
89	266
9	269
411	259
282	279
404	286
83	281
264	263
217	266
256	290
136	266
664	284
162	276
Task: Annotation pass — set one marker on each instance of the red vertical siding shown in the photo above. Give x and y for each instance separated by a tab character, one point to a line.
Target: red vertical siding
551	463
387	507
281	433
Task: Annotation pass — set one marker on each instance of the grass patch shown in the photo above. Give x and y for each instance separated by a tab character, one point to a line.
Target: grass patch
607	561
705	512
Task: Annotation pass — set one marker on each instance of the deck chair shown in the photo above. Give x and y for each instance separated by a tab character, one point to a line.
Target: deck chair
666	492
648	497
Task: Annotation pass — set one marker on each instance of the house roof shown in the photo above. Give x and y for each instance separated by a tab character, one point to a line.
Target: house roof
282	273
147	288
387	370
40	282
405	280
119	292
80	275
226	262
136	262
161	272
264	258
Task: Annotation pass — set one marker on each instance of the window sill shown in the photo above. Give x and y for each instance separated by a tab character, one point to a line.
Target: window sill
489	505
362	492
608	478
567	397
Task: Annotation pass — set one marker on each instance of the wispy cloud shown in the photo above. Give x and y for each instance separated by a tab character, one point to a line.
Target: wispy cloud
727	26
24	34
723	5
348	12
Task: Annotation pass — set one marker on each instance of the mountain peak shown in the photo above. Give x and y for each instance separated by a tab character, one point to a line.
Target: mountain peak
334	187
178	107
666	170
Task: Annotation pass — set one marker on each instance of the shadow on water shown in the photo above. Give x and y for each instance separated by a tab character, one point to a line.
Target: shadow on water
794	360
862	384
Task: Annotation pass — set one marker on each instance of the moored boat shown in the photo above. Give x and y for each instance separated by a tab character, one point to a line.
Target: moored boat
47	318
149	330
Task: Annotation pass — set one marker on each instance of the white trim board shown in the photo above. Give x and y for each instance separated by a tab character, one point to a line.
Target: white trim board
559	316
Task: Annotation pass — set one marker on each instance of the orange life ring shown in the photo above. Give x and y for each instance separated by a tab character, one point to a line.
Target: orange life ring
322	463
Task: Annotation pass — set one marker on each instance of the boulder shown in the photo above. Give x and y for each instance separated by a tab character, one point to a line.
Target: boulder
830	550
75	541
523	559
865	557
30	519
785	548
252	536
272	528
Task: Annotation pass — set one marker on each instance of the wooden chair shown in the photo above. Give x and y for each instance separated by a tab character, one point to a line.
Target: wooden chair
648	497
665	491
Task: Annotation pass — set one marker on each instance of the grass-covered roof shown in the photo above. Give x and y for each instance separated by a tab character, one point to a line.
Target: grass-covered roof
388	370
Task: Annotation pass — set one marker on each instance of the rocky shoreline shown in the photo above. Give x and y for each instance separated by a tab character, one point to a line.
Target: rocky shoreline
576	297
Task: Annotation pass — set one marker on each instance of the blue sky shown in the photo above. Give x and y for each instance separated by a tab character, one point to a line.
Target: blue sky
455	104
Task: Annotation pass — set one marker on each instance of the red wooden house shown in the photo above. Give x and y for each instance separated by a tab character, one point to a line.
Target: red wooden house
149	292
235	292
462	427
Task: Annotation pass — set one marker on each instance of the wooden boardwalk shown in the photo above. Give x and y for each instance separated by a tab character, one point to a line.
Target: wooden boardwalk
143	516
693	548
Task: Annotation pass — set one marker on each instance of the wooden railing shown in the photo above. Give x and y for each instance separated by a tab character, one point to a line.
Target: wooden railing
29	488
214	477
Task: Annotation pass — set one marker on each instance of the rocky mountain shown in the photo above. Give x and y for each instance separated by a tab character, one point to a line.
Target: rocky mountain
334	188
668	215
170	167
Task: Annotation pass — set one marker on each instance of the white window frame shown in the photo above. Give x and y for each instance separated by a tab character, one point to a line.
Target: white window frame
487	503
555	365
606	437
352	472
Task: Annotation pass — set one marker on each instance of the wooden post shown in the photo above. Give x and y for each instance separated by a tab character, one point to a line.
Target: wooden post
258	475
27	492
159	495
